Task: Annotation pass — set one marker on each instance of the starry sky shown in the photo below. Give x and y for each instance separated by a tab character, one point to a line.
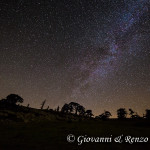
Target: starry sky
94	52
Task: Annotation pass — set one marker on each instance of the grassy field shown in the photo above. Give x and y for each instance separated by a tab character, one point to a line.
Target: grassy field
51	135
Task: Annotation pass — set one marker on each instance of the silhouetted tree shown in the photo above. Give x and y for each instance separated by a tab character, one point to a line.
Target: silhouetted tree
43	103
13	99
74	106
48	108
88	113
67	108
28	105
107	114
81	110
104	115
122	113
147	116
57	108
133	114
2	101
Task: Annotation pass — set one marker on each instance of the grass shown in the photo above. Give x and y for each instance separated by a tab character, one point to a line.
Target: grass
51	135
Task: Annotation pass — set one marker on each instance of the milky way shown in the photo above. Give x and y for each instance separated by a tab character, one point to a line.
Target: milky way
93	52
117	37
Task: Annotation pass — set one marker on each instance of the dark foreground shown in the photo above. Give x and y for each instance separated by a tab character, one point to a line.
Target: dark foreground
51	135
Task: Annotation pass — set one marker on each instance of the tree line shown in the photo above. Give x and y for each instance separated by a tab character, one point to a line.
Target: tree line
13	100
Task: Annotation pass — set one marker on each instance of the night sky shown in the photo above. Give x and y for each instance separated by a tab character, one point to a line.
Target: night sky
94	52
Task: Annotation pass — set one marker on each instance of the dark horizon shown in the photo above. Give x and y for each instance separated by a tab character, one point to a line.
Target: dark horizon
13	102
